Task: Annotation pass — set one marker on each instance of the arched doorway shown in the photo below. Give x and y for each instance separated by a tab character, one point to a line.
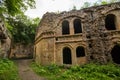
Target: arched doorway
67	56
77	26
115	53
110	22
80	51
65	27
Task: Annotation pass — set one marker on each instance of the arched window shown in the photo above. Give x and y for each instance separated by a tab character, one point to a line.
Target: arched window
77	26
67	56
115	53
110	22
65	27
80	51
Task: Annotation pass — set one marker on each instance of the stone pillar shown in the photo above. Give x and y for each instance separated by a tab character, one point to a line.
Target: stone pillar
74	59
117	22
71	27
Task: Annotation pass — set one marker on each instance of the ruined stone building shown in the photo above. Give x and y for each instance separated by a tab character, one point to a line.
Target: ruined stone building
5	40
79	36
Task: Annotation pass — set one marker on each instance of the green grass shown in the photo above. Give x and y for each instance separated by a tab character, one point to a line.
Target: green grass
90	71
8	70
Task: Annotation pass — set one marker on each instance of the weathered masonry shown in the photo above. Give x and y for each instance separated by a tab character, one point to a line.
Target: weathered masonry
5	40
79	36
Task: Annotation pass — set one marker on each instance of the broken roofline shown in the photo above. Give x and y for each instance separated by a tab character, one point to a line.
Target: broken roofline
84	9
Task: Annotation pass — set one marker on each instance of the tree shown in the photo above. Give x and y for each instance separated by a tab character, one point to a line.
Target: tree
13	7
112	1
23	28
99	2
86	5
95	4
74	8
108	2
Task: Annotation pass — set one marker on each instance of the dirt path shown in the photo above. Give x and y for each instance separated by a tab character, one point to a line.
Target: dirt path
25	72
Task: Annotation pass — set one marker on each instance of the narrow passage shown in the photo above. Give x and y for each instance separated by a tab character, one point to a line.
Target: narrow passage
25	72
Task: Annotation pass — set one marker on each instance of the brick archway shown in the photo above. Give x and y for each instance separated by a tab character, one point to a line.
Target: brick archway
77	26
67	56
65	27
110	22
115	53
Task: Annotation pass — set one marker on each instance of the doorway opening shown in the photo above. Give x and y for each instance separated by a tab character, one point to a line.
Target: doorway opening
115	53
67	56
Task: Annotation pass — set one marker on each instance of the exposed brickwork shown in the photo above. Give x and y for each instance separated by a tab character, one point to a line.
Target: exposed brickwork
95	38
19	50
5	40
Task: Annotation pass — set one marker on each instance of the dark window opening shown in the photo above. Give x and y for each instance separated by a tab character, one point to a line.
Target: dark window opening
80	51
88	36
65	27
91	57
115	53
67	56
110	22
105	35
90	45
56	39
77	26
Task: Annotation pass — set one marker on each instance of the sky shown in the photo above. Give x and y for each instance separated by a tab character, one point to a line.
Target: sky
43	6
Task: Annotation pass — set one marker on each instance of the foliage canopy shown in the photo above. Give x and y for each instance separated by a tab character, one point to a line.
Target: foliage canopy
13	7
21	27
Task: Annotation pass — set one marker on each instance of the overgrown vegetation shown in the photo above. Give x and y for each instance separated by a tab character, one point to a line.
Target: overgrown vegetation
99	2
85	72
14	7
8	70
21	26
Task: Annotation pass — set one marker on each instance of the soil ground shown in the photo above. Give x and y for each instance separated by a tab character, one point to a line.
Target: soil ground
25	72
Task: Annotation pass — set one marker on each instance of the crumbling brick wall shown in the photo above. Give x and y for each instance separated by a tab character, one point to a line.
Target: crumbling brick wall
5	40
96	39
21	51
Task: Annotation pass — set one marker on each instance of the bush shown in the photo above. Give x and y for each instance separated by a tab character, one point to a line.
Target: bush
8	70
90	71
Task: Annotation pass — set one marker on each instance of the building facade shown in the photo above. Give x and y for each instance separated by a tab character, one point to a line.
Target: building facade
79	36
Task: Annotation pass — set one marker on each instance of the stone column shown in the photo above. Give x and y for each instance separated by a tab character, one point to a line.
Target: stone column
71	27
74	59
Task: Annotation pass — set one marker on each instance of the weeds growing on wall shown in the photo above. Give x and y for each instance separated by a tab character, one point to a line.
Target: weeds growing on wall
85	72
8	70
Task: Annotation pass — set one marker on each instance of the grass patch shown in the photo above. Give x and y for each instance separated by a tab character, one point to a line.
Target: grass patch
8	70
90	71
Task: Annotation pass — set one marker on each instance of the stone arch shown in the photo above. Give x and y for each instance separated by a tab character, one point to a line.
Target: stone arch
110	22
80	51
77	26
111	10
113	42
115	53
58	22
65	27
67	56
61	19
